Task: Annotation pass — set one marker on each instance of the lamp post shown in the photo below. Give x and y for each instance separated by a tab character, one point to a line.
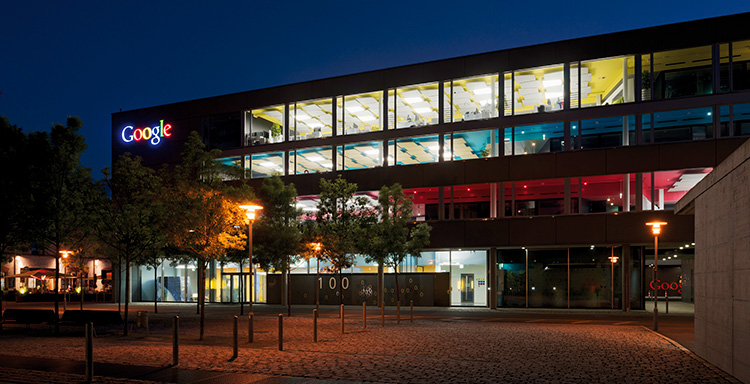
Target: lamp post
656	230
65	255
613	259
250	211
316	247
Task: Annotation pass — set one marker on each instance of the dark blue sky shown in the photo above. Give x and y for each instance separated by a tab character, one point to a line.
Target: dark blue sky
90	59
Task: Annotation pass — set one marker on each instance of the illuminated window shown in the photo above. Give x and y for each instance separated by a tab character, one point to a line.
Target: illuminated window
311	119
538	90
359	113
267	164
265	125
417	150
360	155
471	99
602	82
417	105
311	160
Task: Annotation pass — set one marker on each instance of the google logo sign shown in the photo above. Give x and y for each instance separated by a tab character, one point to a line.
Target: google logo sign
152	134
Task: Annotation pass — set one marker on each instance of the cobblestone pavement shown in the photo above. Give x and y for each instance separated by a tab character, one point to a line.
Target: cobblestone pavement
426	351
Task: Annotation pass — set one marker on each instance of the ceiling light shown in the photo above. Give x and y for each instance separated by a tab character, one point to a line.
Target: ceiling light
268	164
551	83
553	95
422	110
412	100
326	165
482	91
367	117
302	116
316	158
372	151
355	108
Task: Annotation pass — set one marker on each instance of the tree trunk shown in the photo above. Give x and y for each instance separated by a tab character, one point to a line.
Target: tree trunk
119	289
156	289
127	292
57	288
398	291
289	289
341	289
82	291
381	284
201	294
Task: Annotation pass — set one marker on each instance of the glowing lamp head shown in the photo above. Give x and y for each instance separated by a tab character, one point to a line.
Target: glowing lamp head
65	254
250	210
316	246
656	226
614	259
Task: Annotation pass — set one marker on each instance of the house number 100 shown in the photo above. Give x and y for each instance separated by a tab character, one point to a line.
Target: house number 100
332	282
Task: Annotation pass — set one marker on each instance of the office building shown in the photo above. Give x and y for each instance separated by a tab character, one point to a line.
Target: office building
537	167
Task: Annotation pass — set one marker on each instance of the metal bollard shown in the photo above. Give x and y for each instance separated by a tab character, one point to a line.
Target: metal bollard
398	312
250	328
666	303
89	352
235	349
281	332
411	311
364	315
175	340
341	315
315	325
382	314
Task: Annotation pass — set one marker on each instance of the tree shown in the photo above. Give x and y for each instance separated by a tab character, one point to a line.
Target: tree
63	191
205	219
130	218
152	259
341	219
393	238
15	191
277	243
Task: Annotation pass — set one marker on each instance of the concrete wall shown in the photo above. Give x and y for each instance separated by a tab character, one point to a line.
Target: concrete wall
722	265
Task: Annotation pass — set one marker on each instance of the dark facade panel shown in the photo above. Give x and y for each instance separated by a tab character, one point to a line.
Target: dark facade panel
632	159
581	163
403	76
447	173
486	170
536	231
295	92
325	88
486	63
580	229
409	176
445	69
726	146
486	233
701	154
534	56
581	49
366	179
530	167
447	234
263	98
631	227
365	82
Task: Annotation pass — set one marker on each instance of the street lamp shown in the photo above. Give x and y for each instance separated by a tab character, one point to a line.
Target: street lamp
250	211
316	247
613	259
656	230
65	255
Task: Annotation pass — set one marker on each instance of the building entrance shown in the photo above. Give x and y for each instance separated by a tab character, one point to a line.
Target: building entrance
467	288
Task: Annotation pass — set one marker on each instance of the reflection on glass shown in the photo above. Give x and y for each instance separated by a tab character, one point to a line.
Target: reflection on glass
741	65
360	113
539	197
538	90
417	106
607	132
267	164
425	203
230	168
417	150
741	117
471	99
361	155
548	278
313	160
511	285
265	125
682	72
683	125
538	138
311	119
591	278
475	144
